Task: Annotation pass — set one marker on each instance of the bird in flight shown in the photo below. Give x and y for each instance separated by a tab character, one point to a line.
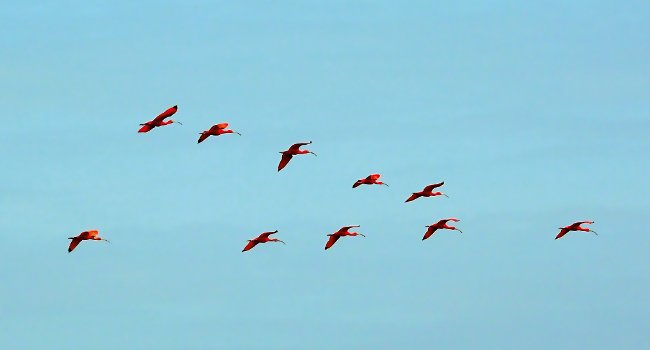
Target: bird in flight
86	235
372	179
343	231
292	151
216	130
262	238
427	192
575	227
160	120
442	224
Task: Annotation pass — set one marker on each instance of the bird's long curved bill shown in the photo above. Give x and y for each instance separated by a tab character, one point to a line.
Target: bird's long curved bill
593	232
385	184
281	241
313	153
361	234
444	194
459	230
179	123
237	133
104	239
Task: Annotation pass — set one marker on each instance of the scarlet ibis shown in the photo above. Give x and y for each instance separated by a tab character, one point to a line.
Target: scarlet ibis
442	224
343	231
575	227
371	179
427	192
160	120
216	130
292	151
262	238
86	235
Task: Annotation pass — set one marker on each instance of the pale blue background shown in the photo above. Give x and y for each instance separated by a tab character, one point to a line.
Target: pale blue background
536	114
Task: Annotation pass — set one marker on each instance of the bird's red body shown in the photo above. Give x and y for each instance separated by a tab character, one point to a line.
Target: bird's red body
292	151
575	227
440	225
86	235
427	192
159	120
262	238
343	231
372	179
216	130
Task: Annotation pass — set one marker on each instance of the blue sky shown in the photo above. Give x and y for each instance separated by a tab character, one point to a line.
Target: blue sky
535	115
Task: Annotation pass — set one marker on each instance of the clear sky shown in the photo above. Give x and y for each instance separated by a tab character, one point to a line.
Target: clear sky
535	114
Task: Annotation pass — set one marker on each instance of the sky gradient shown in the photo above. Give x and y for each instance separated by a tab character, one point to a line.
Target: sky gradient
535	115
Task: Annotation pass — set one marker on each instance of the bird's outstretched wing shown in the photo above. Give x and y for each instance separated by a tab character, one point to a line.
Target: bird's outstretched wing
374	177
168	113
562	233
221	125
331	241
432	186
580	223
250	245
266	234
413	197
357	183
296	146
284	161
204	135
74	243
346	228
146	128
430	231
450	219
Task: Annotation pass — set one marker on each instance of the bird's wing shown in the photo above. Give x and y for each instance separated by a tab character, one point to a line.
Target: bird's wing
266	234
452	219
296	146
357	183
203	136
374	177
413	197
250	245
168	113
222	125
74	243
562	233
331	241
146	128
93	233
432	186
284	161
580	223
430	231
346	228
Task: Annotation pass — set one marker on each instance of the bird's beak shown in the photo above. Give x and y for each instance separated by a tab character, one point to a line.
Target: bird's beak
385	184
444	194
361	234
104	239
312	152
593	232
459	230
237	133
179	123
281	241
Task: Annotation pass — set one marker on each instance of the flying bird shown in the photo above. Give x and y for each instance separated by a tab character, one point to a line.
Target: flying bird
343	231
442	224
216	130
292	151
86	235
372	179
262	238
575	227
160	120
427	192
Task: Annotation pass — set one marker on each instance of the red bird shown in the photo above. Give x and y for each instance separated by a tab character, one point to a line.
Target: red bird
292	151
86	235
216	130
371	179
575	227
262	238
427	192
442	224
343	231
160	120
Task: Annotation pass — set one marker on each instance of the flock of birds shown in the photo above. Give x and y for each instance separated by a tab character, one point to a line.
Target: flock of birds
294	150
